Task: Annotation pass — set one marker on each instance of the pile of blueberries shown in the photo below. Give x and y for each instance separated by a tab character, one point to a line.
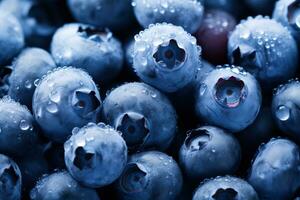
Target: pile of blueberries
149	100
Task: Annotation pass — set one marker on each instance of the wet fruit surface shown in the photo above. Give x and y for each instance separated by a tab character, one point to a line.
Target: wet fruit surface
149	100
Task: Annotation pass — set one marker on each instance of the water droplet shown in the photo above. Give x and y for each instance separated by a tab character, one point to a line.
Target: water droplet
28	84
203	88
283	113
36	82
24	125
75	130
245	34
54	96
52	107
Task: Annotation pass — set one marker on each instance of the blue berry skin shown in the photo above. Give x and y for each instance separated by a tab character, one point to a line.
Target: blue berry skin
225	188
150	175
65	98
187	14
11	38
275	171
10	178
144	115
61	186
286	12
166	57
37	19
18	130
113	14
226	93
95	155
29	66
206	146
84	46
264	48
285	108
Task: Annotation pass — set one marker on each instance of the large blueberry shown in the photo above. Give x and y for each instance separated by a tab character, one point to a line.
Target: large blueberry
10	179
113	14
264	48
11	38
209	151
144	115
65	98
18	132
287	13
95	155
225	95
275	171
286	108
187	14
38	18
166	57
87	47
150	175
225	188
31	64
61	186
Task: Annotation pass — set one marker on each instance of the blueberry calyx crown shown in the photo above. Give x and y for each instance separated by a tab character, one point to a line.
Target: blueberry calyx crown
94	34
9	175
244	55
85	102
293	14
83	159
134	128
230	92
197	139
225	194
134	178
170	56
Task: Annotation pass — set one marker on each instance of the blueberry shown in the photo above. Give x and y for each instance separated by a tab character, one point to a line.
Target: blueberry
144	115
65	98
37	18
265	48
275	171
11	38
287	13
116	14
259	131
206	146
225	94
30	65
285	108
18	132
150	175
187	14
261	6
225	188
95	155
10	179
61	186
213	35
90	48
166	57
